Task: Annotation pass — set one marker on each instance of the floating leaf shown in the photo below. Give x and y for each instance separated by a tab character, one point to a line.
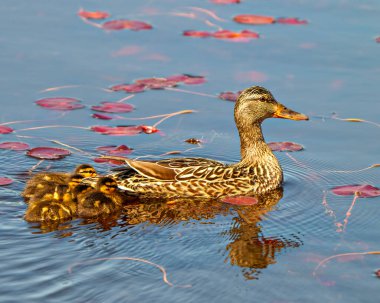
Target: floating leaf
5	129
191	80
353	120
193	141
48	153
291	21
5	181
14	145
115	150
360	190
178	78
156	83
113	107
109	161
254	19
225	1
377	39
229	96
130	130
101	117
242	36
97	15
285	146
129	88
126	24
149	129
196	34
377	273
240	200
60	103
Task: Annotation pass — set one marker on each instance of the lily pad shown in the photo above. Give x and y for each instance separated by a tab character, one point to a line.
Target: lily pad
113	107
48	153
60	103
285	146
14	145
361	190
240	200
5	181
5	129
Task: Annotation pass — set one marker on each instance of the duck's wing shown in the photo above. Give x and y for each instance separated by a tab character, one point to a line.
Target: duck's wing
175	169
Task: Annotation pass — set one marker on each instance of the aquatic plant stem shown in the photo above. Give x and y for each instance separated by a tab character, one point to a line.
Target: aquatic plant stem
328	259
161	268
190	92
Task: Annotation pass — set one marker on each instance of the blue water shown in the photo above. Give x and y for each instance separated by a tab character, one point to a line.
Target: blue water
226	253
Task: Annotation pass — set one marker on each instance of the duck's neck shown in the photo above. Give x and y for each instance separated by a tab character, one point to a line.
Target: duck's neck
254	151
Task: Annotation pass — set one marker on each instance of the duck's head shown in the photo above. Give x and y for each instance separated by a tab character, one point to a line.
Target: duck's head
256	104
106	185
86	170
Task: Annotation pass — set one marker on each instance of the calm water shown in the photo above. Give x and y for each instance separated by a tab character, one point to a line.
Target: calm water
226	253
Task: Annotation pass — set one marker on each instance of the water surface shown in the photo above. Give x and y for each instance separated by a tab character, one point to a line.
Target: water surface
266	253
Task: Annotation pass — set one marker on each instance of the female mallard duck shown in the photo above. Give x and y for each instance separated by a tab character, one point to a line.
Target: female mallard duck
46	181
103	200
52	207
257	172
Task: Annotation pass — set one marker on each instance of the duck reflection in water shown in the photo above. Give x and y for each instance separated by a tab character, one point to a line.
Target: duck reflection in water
248	247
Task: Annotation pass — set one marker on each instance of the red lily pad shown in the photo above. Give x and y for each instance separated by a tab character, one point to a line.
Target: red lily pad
14	145
60	103
225	1
377	39
109	161
178	78
156	83
5	129
48	153
229	96
5	181
129	130
192	80
240	200
361	190
126	24
115	150
97	15
244	35
101	117
285	146
149	129
113	107
129	88
197	34
291	21
254	19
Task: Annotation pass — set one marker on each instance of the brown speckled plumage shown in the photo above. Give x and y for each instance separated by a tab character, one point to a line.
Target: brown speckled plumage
258	171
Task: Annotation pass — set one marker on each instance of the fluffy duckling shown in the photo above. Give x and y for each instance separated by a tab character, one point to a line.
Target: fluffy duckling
103	200
42	182
52	207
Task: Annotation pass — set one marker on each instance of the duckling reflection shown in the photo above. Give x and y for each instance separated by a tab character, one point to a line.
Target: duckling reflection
248	249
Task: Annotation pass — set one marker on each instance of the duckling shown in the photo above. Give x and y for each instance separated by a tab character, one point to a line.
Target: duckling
38	181
103	200
52	207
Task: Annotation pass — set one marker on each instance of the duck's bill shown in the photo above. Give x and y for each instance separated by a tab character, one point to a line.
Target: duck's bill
286	113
